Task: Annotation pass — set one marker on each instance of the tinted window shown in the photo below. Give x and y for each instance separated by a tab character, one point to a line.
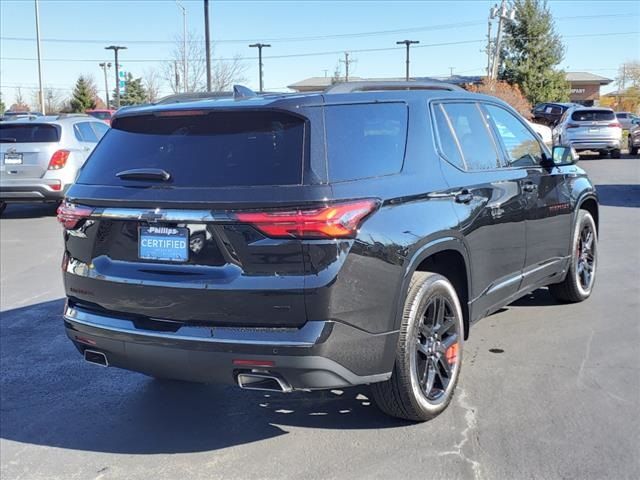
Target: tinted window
213	149
101	115
521	146
84	132
447	141
100	129
365	140
32	133
592	115
478	148
621	115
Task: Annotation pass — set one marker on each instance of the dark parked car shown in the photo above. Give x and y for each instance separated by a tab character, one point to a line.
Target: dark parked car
634	137
341	238
549	114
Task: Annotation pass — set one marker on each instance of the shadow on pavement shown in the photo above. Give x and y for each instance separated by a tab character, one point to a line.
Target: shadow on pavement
619	195
538	298
33	210
49	396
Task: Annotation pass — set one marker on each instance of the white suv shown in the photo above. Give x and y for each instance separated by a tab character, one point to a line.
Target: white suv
590	128
40	156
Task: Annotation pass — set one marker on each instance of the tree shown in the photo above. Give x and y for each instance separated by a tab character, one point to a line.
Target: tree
134	91
509	93
532	51
53	100
84	95
224	73
20	105
628	75
2	105
151	83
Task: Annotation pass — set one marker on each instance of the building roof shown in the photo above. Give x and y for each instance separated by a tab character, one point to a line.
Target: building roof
586	77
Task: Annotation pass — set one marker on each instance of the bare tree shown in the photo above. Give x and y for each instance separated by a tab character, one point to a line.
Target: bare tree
54	100
224	73
151	81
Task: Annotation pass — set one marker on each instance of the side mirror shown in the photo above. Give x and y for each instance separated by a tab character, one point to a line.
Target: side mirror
564	155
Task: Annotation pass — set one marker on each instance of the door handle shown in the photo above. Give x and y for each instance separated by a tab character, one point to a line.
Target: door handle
529	187
465	196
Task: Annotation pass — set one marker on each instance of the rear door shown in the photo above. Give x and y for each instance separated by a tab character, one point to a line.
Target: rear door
547	238
170	245
26	149
488	201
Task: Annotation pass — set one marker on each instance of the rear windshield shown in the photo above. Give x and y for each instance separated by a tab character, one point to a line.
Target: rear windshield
215	149
365	140
31	133
101	115
592	115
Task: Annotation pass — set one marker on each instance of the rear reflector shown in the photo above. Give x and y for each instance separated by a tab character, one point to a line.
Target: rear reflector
56	186
254	363
70	215
615	125
340	220
58	159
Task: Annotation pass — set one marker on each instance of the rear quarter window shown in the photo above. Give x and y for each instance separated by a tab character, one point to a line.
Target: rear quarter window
31	133
365	140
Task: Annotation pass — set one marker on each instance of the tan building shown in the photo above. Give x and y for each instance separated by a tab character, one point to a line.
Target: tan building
585	87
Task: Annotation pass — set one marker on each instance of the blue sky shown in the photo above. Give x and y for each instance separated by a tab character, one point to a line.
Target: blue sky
86	26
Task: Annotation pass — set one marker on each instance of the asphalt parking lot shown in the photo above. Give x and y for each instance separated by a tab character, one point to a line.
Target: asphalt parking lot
547	390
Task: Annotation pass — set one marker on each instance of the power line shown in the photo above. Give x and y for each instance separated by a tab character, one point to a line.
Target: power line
313	37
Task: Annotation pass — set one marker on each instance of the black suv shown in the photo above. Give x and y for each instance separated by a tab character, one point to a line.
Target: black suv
316	241
549	114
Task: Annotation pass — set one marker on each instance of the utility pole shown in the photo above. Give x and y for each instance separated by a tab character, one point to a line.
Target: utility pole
41	91
115	49
104	66
492	15
506	14
407	43
451	72
346	62
260	46
207	43
177	75
184	45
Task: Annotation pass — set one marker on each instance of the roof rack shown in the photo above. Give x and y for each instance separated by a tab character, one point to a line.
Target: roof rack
350	87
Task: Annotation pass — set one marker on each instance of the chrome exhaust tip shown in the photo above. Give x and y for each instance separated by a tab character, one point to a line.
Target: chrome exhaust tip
95	357
263	381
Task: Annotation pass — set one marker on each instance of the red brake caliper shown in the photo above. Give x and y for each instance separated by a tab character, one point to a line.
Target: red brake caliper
451	354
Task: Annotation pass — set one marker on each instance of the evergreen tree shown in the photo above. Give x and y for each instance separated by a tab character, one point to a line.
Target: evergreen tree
83	97
134	91
2	105
532	51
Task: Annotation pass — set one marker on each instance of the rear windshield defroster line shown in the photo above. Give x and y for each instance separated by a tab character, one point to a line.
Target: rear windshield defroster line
217	149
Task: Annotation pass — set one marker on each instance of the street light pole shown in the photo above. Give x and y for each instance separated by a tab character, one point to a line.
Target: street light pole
41	91
207	43
408	43
115	49
260	46
104	66
184	45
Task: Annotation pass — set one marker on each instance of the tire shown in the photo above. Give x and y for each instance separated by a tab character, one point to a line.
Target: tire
615	153
424	352
602	154
3	206
575	288
632	150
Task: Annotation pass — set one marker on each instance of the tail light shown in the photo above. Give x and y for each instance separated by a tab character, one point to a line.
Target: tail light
58	159
70	215
573	125
615	125
340	220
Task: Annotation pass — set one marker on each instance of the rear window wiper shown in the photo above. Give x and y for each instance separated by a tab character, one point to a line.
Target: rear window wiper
8	140
144	174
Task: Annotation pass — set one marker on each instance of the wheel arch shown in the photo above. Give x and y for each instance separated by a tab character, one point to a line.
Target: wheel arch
590	204
448	257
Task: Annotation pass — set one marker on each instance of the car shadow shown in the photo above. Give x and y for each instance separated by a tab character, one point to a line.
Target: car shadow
50	396
31	210
538	298
619	195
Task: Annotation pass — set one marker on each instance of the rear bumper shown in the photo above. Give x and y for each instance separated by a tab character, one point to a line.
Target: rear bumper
595	144
319	355
30	190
